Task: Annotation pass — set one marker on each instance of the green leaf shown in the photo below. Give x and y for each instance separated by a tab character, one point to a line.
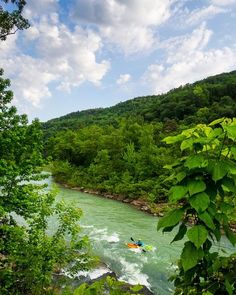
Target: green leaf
215	133
180	176
187	143
136	288
218	170
228	287
173	139
231	131
171	219
216	121
81	289
177	192
228	185
207	293
206	218
196	186
197	235
182	231
190	256
200	202
195	161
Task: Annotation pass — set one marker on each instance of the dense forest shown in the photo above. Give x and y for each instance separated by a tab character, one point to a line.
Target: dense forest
120	150
201	102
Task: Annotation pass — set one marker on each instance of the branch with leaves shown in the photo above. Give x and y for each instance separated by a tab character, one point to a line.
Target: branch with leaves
205	187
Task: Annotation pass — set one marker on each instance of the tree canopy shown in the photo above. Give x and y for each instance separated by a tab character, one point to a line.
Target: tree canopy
11	18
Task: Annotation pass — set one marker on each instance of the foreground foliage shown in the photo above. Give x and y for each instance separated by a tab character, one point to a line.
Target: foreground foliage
205	187
28	255
108	285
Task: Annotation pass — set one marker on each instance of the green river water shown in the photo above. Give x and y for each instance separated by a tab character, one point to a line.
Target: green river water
110	224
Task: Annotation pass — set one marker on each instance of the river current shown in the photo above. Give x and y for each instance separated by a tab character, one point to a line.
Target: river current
110	225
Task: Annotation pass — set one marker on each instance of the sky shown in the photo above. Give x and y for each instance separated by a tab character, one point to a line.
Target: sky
83	54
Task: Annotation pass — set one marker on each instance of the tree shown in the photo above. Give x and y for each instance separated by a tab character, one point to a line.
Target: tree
205	185
29	256
11	20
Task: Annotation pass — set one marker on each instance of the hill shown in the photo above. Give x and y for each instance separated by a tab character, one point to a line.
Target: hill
202	101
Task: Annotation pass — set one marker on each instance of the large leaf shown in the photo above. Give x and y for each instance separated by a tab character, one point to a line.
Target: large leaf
228	185
187	143
218	169
216	121
206	218
190	256
182	231
231	131
195	161
171	219
196	186
200	202
197	235
177	192
215	133
173	139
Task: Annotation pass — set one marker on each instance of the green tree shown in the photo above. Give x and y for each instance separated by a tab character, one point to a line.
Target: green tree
11	20
28	255
205	185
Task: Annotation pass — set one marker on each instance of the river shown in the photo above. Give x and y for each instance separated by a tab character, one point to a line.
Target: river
110	224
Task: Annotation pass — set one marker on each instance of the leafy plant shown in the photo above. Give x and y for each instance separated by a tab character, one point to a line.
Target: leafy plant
29	256
109	285
205	187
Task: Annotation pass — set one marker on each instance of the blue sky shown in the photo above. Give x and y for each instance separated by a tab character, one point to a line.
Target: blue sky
81	54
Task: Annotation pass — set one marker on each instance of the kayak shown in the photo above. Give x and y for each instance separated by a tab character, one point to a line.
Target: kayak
132	245
145	247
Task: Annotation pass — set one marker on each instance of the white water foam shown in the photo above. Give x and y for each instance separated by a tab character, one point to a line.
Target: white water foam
113	238
132	274
90	274
103	235
87	226
98	272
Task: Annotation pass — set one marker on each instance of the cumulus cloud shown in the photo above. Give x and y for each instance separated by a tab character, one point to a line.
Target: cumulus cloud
63	56
35	9
131	25
189	61
123	79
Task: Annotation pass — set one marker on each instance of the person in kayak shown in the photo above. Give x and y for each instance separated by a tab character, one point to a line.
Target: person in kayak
139	243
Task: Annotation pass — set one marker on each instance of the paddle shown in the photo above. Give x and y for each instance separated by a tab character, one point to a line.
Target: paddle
134	241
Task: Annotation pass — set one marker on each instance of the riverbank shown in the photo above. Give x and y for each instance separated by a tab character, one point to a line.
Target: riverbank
151	208
158	210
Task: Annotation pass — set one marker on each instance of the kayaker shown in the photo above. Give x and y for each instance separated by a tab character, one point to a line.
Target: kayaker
139	243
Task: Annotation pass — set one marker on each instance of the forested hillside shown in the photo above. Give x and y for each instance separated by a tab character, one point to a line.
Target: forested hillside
119	150
202	101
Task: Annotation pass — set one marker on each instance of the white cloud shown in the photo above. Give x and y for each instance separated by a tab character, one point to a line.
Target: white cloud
130	25
35	9
223	2
189	61
187	45
123	79
62	56
202	14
